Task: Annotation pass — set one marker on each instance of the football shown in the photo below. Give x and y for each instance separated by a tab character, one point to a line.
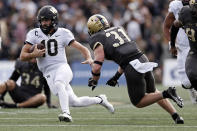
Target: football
39	46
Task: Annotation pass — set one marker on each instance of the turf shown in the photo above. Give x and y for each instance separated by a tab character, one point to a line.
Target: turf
96	118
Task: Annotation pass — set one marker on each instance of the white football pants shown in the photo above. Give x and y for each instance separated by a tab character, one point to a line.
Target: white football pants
58	80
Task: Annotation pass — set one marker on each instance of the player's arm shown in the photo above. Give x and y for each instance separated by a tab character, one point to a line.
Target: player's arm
114	80
169	19
173	33
25	55
84	50
96	66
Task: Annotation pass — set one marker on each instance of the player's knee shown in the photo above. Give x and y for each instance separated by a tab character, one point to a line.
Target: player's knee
139	105
74	102
136	103
10	85
59	87
43	98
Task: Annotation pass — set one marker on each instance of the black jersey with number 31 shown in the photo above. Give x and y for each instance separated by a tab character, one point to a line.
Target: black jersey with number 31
189	22
117	45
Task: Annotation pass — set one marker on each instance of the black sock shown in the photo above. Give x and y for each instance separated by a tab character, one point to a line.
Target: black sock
175	115
2	95
165	94
8	105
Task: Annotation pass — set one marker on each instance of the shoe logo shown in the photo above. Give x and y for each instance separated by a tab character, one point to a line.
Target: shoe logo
57	35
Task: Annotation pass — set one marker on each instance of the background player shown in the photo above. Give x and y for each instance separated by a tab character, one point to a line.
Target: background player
28	94
113	43
54	62
187	20
182	45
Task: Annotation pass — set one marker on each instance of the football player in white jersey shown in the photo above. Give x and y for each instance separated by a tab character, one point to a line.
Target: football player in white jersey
182	44
52	61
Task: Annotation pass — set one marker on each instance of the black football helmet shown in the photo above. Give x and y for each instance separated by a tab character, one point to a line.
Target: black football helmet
185	2
193	6
48	12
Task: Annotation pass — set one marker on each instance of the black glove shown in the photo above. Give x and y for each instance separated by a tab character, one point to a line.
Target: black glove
92	83
114	80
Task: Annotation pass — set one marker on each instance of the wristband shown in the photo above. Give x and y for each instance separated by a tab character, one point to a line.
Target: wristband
98	62
95	74
117	75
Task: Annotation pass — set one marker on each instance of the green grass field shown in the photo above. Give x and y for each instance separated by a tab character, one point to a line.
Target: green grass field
96	118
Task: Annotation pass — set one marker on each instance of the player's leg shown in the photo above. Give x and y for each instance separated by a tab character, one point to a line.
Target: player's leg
22	99
4	87
62	78
87	101
191	67
7	86
181	59
137	89
164	103
33	102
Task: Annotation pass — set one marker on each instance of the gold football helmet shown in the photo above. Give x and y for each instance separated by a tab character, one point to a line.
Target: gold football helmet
97	23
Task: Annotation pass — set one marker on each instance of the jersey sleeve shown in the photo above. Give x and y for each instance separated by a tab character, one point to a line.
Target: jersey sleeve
30	37
172	7
95	41
69	37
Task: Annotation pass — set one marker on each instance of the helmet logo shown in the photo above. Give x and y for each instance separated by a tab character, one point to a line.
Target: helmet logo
52	9
191	2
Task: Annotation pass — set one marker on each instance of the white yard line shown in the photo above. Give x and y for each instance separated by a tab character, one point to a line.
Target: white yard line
100	125
103	118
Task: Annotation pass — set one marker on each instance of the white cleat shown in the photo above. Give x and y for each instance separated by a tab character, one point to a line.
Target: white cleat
65	117
106	103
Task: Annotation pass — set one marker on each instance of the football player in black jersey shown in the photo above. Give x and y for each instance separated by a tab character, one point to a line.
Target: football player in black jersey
188	21
114	44
28	95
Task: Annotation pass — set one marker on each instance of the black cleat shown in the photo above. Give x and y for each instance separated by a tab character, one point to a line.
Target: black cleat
171	93
179	120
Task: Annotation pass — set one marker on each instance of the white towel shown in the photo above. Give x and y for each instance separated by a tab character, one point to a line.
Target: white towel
143	67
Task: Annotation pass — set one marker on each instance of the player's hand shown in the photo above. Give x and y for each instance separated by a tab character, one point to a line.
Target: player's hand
88	61
38	52
92	83
112	82
51	106
173	51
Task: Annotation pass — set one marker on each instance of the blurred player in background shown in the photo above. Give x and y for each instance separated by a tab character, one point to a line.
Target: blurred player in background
182	45
54	62
187	20
114	44
28	94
